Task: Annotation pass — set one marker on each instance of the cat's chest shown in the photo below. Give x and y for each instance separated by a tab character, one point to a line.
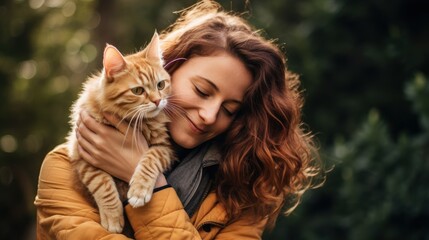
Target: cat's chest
147	132
153	129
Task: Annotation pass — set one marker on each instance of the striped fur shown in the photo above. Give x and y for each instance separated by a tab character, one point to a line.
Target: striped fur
114	91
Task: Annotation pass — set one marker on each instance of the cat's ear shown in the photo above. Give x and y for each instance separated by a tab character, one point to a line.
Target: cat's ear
113	61
154	48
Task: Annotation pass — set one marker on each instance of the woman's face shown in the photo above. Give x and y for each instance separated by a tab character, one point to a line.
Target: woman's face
210	90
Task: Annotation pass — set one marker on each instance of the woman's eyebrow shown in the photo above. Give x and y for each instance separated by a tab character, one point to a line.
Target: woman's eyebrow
209	82
217	89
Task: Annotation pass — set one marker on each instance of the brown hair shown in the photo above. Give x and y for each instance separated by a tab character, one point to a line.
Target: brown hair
269	159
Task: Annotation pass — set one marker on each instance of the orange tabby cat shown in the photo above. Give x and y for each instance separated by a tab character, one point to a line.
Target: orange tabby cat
135	88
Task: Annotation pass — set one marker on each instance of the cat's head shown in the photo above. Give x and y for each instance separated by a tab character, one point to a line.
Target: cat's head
136	85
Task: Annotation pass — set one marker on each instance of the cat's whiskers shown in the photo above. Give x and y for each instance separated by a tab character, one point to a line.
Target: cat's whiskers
137	120
174	112
133	111
135	123
127	113
173	109
136	129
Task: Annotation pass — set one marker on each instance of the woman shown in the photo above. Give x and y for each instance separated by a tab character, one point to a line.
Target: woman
243	155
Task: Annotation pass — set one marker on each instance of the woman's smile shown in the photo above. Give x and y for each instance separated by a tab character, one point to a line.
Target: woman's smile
198	129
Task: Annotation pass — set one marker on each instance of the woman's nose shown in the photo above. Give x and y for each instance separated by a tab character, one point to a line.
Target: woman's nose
209	113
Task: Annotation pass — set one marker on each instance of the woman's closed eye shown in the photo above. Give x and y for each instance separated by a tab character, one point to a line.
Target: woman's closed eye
229	112
230	109
201	92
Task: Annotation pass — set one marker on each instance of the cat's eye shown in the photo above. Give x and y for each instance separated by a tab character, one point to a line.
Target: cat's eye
161	85
137	90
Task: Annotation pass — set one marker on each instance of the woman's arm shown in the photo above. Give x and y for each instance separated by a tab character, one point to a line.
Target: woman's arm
62	211
164	216
115	149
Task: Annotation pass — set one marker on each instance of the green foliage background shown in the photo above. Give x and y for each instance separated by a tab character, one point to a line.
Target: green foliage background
363	65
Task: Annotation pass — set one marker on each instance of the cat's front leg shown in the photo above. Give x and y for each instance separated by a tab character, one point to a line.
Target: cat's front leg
154	162
142	184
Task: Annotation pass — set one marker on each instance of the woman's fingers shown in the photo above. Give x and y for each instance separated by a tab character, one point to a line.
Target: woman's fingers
131	137
84	134
119	124
85	147
108	148
84	154
87	121
96	133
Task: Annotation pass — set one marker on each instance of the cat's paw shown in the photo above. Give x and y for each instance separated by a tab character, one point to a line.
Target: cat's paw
112	220
139	194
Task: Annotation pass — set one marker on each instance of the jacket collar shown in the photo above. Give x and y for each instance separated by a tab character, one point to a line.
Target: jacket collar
189	178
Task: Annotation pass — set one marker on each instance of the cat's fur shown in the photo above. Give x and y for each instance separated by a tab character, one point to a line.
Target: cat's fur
135	88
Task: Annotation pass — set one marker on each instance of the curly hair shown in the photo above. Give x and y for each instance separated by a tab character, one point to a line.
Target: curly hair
269	160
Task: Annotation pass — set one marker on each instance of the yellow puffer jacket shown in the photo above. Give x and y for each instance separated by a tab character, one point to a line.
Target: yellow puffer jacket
63	213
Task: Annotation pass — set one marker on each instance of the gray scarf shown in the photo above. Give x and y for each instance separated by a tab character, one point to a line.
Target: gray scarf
192	179
194	174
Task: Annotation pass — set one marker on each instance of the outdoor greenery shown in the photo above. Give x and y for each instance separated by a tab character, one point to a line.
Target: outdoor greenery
378	189
364	69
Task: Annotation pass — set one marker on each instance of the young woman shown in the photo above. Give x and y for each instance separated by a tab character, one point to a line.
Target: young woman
243	156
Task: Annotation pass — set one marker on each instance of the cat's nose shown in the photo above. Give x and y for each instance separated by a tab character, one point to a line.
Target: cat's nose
156	101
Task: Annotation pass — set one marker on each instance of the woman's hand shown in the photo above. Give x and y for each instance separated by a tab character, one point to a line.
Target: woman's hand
114	150
160	181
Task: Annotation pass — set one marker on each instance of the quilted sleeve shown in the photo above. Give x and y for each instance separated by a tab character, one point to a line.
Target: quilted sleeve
162	218
62	213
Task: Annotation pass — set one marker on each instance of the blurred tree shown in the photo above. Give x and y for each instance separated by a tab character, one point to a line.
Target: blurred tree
353	56
378	189
44	52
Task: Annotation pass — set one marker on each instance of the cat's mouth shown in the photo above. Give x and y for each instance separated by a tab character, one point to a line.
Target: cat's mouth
153	113
141	115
